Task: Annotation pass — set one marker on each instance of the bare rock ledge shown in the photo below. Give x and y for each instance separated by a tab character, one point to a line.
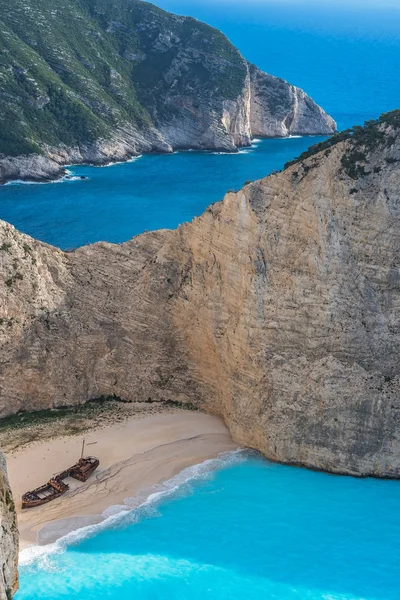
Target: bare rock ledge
278	309
266	107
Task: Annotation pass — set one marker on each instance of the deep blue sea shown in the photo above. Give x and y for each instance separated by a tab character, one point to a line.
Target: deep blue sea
245	529
346	57
151	192
241	529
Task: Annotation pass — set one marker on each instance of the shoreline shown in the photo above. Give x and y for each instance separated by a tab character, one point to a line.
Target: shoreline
61	175
136	458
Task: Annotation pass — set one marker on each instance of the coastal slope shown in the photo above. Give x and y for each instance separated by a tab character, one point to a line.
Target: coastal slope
93	81
8	538
277	309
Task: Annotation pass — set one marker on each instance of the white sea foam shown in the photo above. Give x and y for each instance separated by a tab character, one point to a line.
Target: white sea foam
241	151
220	153
118	162
69	177
244	150
134	508
66	179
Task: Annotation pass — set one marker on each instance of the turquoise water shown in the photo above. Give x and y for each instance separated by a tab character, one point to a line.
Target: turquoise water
152	192
248	530
346	57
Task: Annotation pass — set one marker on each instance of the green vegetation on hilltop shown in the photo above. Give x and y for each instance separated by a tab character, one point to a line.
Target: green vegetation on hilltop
362	140
73	71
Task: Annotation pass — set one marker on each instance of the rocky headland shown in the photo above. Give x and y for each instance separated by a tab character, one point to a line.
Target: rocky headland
8	538
96	82
277	309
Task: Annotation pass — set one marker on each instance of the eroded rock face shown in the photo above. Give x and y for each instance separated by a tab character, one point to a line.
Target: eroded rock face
8	537
33	168
277	309
265	106
279	109
144	81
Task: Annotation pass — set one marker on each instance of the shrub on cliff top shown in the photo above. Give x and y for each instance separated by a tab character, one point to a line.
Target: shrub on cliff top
362	141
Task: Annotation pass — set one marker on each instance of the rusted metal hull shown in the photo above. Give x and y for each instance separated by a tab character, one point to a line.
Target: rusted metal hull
56	487
84	468
45	493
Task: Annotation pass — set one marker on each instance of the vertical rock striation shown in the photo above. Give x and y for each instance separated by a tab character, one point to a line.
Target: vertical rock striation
279	109
8	537
278	309
102	81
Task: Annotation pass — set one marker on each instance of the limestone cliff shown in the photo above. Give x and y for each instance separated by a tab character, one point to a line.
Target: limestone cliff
93	81
278	309
8	537
278	109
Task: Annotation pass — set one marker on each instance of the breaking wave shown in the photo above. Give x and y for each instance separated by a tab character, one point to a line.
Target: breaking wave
136	508
117	162
67	178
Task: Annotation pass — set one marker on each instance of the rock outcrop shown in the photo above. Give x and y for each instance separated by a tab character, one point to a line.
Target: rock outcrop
94	82
278	109
8	537
278	309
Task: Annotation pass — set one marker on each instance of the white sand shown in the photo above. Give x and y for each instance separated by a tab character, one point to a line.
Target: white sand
133	457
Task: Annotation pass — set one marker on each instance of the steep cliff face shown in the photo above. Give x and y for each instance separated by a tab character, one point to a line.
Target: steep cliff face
277	309
94	81
8	537
280	109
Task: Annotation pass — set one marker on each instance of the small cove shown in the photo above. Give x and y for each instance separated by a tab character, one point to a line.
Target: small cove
250	529
239	528
151	192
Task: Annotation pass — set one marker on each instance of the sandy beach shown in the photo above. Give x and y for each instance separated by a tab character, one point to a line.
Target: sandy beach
134	456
